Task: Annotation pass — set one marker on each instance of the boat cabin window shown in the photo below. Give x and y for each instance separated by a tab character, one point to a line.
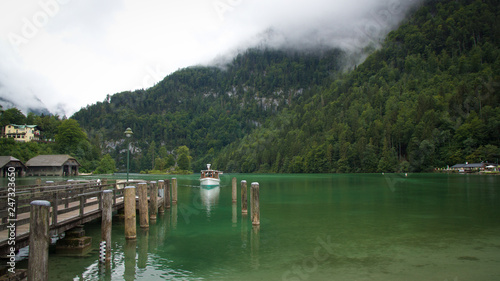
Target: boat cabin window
210	174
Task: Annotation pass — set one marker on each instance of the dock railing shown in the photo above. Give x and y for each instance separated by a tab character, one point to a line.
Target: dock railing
70	202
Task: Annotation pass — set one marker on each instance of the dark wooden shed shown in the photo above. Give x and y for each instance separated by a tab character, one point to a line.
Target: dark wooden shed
7	162
52	165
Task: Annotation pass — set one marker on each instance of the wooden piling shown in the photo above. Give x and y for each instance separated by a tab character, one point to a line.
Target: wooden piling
161	191
235	192
167	194
107	214
99	198
255	203
55	203
38	265
130	228
174	191
244	200
153	201
66	194
142	190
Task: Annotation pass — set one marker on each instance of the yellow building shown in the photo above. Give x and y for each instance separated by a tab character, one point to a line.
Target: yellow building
22	133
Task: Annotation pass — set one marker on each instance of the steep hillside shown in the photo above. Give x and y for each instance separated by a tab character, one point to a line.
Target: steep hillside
428	98
207	108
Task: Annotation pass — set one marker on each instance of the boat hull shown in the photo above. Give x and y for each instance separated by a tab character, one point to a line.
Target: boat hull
209	181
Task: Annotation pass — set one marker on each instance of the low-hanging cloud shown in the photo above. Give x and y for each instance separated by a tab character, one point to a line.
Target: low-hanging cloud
69	54
350	25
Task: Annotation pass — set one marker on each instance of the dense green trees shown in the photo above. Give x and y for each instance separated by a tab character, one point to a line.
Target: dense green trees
70	136
427	98
57	137
23	151
183	158
71	139
204	108
12	116
107	165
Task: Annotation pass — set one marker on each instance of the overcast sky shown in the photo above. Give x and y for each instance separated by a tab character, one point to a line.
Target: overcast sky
67	54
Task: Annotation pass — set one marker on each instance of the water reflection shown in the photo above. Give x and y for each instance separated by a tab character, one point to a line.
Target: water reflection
255	245
209	197
143	248
174	216
234	218
130	259
244	231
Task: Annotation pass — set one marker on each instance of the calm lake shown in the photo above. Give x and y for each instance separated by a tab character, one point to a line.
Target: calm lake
313	227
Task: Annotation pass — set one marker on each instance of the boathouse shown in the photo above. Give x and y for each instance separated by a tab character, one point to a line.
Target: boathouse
7	162
52	165
473	167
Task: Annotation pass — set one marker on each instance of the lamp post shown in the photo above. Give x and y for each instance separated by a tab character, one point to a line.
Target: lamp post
128	134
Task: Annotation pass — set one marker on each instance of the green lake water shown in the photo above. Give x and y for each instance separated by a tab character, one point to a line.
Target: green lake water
313	227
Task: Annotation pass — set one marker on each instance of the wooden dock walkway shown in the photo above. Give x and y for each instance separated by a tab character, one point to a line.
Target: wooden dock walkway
72	204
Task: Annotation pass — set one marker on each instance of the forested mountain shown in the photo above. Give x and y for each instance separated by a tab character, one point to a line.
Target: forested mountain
427	98
207	108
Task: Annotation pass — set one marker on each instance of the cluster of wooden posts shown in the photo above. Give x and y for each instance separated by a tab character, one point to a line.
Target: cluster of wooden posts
255	215
147	211
254	199
40	212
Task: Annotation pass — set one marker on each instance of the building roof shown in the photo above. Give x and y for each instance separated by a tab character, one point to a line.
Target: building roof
49	160
4	160
23	126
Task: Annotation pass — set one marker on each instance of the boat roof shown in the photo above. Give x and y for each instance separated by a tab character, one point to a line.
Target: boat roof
208	169
215	171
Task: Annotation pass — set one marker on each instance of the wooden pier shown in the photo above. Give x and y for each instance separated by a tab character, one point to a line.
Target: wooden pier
52	209
72	204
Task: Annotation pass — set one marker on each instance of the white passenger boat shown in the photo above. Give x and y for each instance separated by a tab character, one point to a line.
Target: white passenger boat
210	177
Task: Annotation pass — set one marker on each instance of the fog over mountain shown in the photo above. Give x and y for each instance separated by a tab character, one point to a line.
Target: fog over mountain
63	55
